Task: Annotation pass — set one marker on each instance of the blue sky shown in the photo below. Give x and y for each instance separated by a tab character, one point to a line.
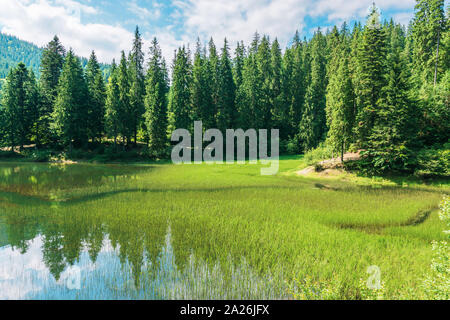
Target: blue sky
107	26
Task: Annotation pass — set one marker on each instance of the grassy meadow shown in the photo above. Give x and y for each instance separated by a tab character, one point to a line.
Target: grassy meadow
225	231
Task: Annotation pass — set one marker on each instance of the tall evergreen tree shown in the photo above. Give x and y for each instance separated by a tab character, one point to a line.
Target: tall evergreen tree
97	96
340	105
20	101
52	62
70	114
263	106
201	89
371	59
180	97
126	111
226	109
156	102
213	76
313	122
429	26
279	111
137	84
113	110
393	137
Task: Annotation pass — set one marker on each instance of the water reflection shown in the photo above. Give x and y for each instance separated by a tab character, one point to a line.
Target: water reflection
119	253
45	180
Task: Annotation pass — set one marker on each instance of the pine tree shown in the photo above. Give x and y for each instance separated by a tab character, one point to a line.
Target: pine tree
238	75
97	96
213	77
279	111
113	111
70	114
226	109
340	104
296	69
313	122
263	106
126	112
20	100
137	84
249	93
180	97
371	60
52	62
156	102
392	139
202	108
429	26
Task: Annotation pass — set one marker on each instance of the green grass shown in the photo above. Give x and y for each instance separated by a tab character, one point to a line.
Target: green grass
284	226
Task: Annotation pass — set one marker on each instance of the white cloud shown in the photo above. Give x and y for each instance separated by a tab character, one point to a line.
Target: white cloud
143	13
238	20
37	21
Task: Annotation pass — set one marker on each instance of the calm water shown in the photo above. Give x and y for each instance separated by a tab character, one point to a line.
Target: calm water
55	243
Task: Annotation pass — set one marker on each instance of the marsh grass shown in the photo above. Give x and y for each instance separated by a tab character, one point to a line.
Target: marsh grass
234	233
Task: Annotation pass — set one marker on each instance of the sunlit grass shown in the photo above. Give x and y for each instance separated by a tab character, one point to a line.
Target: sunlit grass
226	217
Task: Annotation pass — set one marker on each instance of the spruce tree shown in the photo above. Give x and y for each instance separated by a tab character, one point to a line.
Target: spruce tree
202	108
180	97
137	84
126	112
313	122
238	75
52	62
97	96
279	110
226	109
429	26
156	102
20	101
70	114
340	104
113	111
213	77
263	106
371	60
393	137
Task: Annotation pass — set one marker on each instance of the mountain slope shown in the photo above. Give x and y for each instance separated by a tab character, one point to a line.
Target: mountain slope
14	51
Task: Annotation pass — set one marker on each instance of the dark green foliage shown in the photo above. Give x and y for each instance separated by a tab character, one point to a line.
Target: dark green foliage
180	95
313	122
97	97
378	88
371	77
70	117
113	111
51	66
20	104
226	109
156	115
137	84
202	106
125	111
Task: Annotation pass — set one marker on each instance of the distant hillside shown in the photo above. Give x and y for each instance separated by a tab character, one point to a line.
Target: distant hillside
13	51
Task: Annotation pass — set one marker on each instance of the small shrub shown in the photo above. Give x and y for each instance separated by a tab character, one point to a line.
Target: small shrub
434	162
322	152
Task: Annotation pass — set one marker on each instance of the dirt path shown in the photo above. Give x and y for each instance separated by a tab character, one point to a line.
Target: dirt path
331	166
